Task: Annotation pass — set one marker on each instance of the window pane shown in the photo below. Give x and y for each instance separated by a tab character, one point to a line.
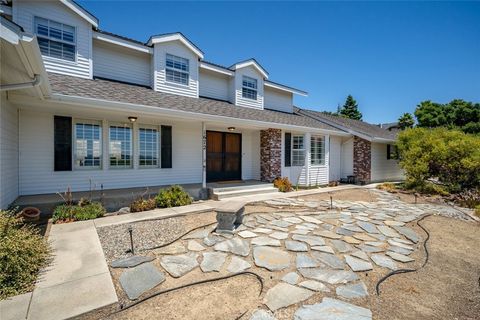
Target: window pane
176	76
120	147
55	39
298	152
148	147
68	33
88	150
68	52
317	151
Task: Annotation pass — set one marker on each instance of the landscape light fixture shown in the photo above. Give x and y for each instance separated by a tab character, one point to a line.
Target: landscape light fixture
132	119
231	128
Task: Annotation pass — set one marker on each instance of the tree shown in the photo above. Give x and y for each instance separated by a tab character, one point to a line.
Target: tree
406	121
350	109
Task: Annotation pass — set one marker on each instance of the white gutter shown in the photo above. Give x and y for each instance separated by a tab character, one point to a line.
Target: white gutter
124	106
37	80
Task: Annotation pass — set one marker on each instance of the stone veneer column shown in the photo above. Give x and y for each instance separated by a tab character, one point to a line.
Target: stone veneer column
362	159
270	154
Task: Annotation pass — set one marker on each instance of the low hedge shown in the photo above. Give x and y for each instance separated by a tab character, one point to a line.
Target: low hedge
173	196
85	210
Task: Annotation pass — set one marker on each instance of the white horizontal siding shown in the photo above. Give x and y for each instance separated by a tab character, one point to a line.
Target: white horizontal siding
347	158
178	49
278	100
118	63
213	85
382	168
24	13
251	155
335	158
238	81
37	160
8	152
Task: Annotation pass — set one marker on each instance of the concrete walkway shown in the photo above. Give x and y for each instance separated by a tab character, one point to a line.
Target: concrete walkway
78	280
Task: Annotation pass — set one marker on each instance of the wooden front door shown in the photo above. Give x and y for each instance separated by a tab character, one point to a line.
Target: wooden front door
224	156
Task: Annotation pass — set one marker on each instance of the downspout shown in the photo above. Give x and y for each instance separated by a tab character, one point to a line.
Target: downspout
37	80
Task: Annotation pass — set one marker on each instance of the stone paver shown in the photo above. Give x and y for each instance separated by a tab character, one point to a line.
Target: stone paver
195	246
270	258
130	262
236	246
358	264
266	241
247	234
349	291
174	248
311	240
291	278
296	246
328	275
314	285
305	261
212	261
138	280
179	265
284	294
279	235
238	265
261	314
332	309
399	257
326	249
329	259
384	261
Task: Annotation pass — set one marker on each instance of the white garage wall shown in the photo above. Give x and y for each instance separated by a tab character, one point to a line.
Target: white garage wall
335	158
347	158
382	168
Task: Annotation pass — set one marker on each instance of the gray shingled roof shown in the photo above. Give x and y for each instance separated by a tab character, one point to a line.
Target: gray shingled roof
127	93
364	128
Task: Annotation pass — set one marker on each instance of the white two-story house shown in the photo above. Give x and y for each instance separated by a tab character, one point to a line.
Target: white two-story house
81	106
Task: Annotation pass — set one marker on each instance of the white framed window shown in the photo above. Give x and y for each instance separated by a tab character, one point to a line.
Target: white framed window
120	146
87	144
148	147
249	88
56	40
317	150
177	69
298	151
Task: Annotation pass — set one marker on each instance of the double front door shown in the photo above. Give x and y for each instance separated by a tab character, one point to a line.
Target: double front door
224	156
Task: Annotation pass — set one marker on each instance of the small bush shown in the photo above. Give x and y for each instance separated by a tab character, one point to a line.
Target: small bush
23	252
85	210
174	196
468	198
283	184
387	186
142	204
477	210
429	188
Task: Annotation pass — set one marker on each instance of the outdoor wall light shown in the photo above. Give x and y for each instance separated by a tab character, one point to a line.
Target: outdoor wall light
231	128
132	119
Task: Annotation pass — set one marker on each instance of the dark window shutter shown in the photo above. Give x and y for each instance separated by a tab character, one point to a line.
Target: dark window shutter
288	149
166	148
63	143
389	151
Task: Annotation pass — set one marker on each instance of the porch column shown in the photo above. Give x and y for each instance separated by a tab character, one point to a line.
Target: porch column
270	154
362	159
308	141
204	155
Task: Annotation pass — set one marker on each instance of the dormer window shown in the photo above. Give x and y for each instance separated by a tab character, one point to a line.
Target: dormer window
56	40
177	69
249	88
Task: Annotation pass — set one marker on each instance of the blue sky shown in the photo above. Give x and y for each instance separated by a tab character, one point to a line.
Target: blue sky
388	55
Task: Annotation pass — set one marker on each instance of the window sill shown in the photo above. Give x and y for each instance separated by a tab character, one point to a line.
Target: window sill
58	60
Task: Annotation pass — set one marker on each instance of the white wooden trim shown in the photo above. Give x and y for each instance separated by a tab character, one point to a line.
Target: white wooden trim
121	42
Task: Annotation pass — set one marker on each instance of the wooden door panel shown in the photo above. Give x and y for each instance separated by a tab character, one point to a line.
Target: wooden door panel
223	156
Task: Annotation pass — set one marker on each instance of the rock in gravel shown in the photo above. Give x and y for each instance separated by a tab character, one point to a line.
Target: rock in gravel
311	240
332	309
291	278
261	314
212	261
174	248
330	260
305	261
328	275
194	246
236	246
314	285
270	258
179	265
130	262
283	295
266	241
238	265
384	261
139	280
358	264
399	257
296	246
349	291
247	234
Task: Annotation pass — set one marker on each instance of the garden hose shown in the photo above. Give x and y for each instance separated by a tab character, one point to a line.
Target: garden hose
123	308
399	271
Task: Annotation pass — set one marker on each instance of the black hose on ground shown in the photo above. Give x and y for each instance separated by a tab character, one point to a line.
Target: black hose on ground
399	271
123	308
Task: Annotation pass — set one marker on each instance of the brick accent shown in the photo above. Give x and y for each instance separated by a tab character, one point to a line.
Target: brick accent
362	160
270	154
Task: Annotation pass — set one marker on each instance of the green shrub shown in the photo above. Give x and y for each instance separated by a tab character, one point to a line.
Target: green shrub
173	196
449	156
85	210
387	186
283	184
468	198
23	252
477	210
141	204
